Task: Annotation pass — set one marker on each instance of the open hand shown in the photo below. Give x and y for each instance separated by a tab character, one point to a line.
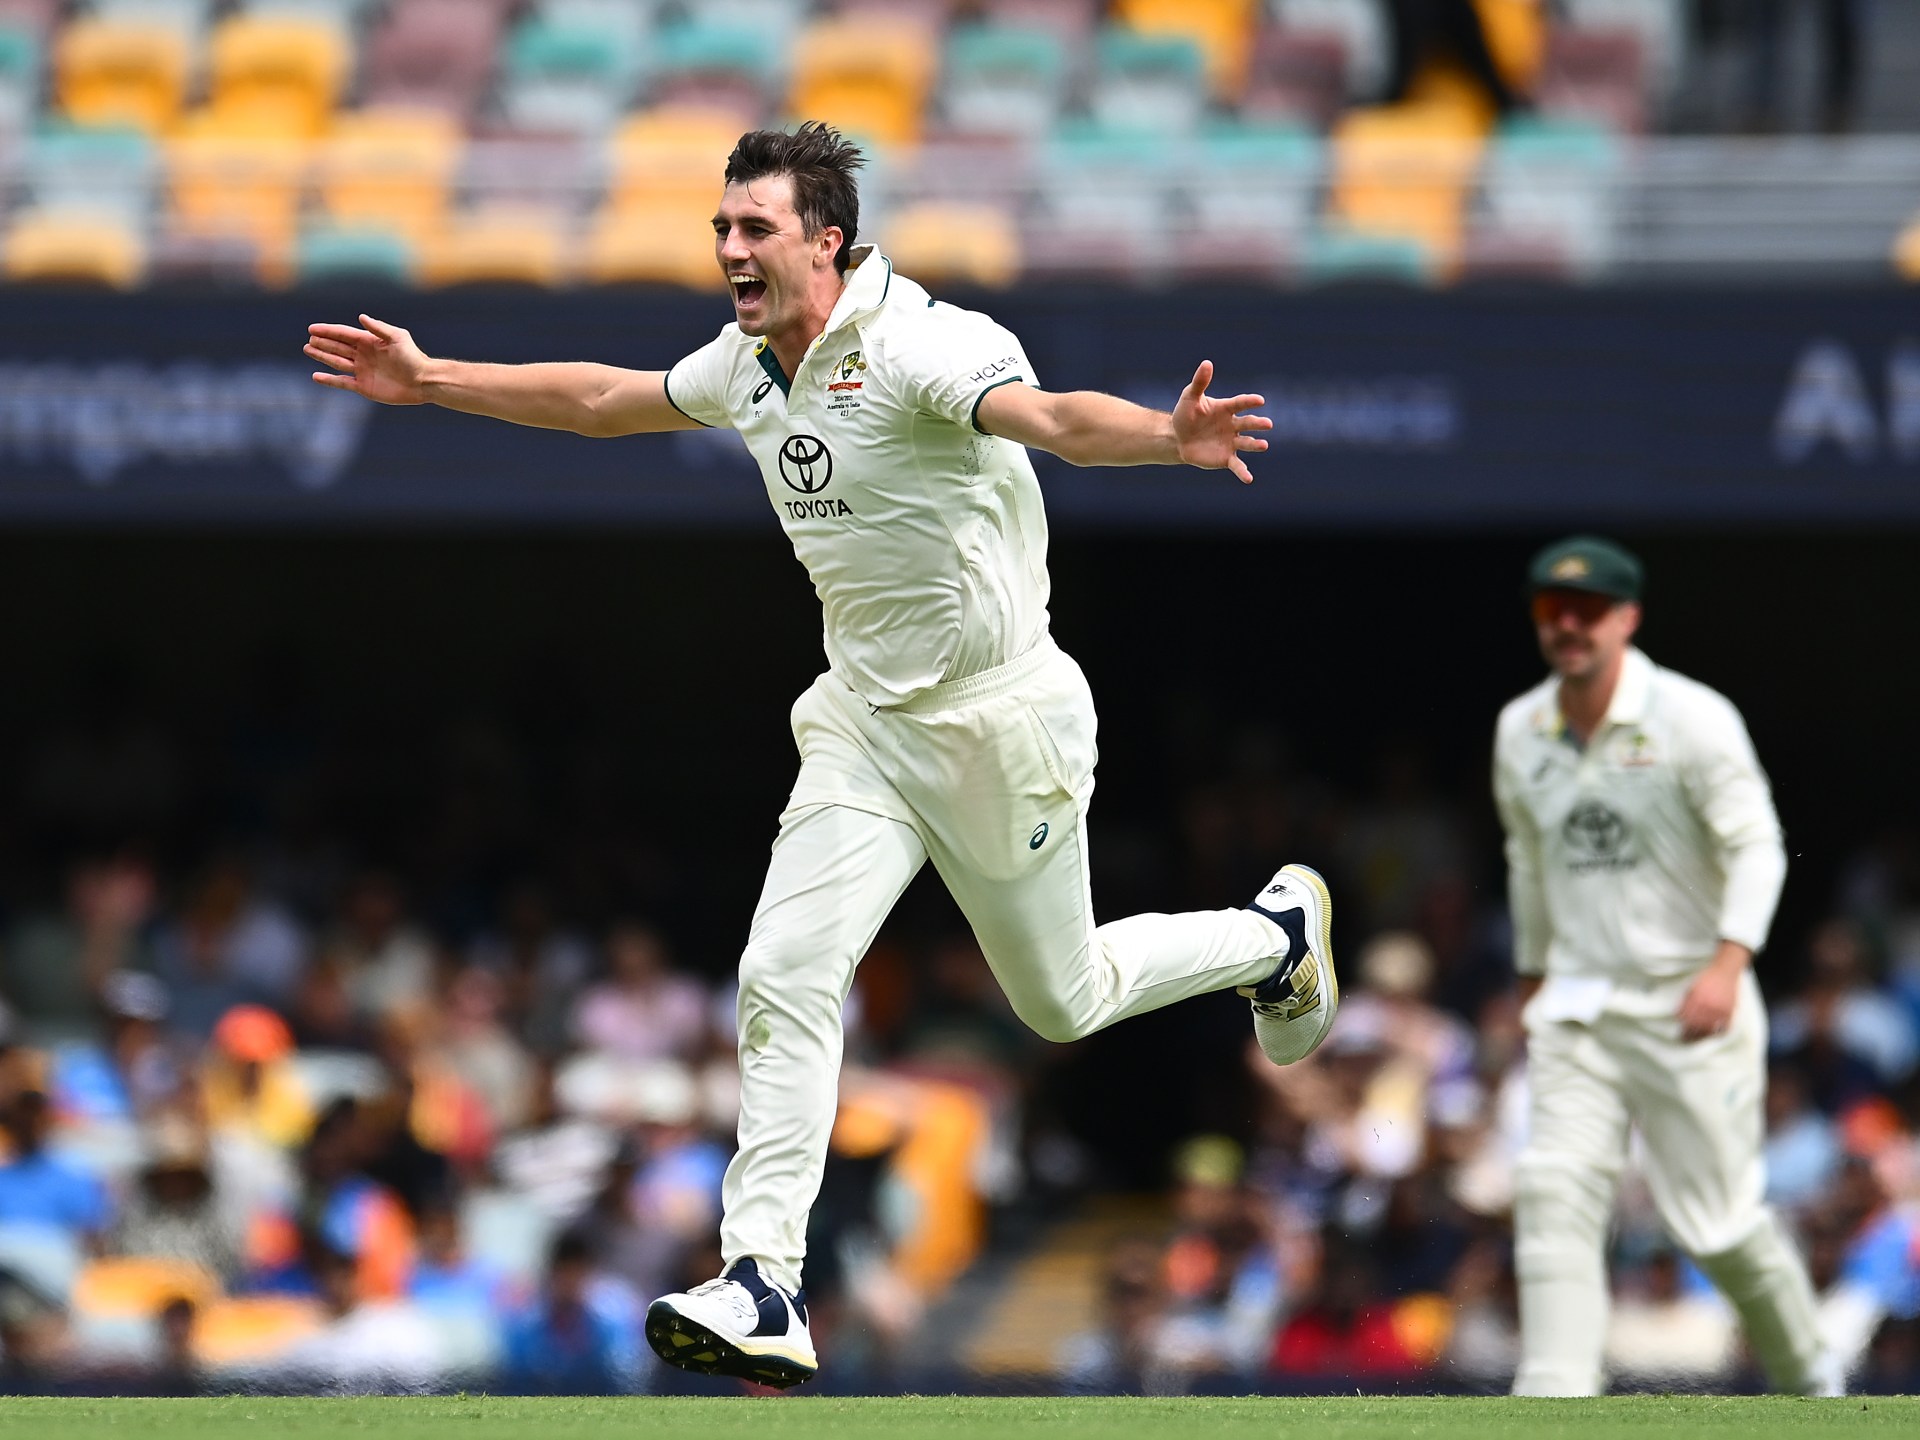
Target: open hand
380	362
1213	434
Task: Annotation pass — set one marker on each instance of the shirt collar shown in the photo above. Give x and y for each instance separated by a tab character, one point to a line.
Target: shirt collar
869	277
1629	705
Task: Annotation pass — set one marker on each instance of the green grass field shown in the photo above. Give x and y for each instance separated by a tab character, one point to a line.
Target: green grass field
803	1418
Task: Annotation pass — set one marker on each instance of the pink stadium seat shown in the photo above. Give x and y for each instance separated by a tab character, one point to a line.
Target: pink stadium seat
1298	76
34	15
1071	20
1601	74
434	54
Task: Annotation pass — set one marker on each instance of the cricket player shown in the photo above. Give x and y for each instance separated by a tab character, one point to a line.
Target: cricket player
891	432
1644	861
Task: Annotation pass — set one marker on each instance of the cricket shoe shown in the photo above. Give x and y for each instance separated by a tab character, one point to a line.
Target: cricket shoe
740	1325
1293	1008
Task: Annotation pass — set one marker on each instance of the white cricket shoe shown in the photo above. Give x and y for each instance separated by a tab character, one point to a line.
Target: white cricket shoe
1293	1008
740	1325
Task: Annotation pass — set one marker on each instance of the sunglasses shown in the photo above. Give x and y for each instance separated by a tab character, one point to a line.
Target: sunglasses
1551	606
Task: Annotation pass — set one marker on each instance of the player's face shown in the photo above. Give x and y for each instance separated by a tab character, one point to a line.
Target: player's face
1582	634
766	254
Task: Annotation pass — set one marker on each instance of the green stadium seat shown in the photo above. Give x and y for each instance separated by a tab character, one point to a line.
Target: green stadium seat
19	78
567	77
1330	256
324	255
1551	180
1147	81
1004	80
108	170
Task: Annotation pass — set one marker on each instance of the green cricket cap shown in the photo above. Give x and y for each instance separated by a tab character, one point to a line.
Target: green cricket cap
1586	562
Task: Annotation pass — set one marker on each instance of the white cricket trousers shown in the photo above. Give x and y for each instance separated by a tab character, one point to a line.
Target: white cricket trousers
989	777
1699	1108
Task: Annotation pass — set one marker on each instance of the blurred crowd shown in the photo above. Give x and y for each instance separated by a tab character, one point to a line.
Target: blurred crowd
276	1118
1363	1230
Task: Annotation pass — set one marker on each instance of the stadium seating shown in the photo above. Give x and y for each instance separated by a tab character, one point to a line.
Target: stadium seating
665	245
1246	194
938	242
1552	180
1222	31
1004	80
115	72
357	255
870	76
232	182
1103	203
566	76
499	244
1598	74
73	247
19	78
1296	76
189	19
1358	25
388	170
433	54
1402	172
670	159
1659	25
1147	82
107	171
716	67
277	74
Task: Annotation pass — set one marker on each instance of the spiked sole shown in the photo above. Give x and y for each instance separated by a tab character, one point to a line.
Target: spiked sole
692	1346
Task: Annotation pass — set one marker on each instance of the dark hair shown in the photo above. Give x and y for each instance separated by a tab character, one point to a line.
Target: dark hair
820	162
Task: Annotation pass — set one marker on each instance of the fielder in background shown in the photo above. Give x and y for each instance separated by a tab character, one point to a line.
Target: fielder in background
1644	863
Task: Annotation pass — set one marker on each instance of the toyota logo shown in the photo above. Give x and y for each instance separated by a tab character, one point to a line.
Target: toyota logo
805	464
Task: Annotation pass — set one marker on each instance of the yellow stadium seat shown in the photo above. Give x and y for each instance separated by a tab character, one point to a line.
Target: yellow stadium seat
659	245
675	158
114	72
935	241
503	244
1405	171
1516	33
389	169
252	1329
130	1286
77	247
280	73
233	181
1223	29
869	77
1906	251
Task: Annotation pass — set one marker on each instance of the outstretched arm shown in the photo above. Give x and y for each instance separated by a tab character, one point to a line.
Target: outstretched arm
1084	427
381	362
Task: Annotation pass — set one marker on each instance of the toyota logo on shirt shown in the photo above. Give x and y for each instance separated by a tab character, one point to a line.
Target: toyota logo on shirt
805	464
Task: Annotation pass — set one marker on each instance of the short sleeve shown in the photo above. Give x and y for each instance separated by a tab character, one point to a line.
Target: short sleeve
955	358
697	384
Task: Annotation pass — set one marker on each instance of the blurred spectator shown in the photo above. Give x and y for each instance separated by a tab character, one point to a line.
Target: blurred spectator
55	965
174	1211
1400	844
1839	1022
1803	1146
1345	1330
135	1071
386	963
248	1082
540	966
1223	1278
339	1211
1122	1354
1667	1335
562	1343
228	946
38	1187
642	1010
483	1053
447	1277
1424	30
36	1341
367	1345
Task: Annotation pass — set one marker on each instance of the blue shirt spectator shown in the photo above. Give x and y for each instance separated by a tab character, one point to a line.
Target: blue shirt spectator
562	1343
37	1188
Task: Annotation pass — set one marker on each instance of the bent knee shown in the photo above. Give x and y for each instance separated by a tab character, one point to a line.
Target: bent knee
1054	1020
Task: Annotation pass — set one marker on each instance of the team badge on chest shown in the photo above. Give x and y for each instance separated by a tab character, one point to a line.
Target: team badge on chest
845	382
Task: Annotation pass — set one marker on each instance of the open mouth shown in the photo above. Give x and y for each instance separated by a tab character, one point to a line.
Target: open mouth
748	290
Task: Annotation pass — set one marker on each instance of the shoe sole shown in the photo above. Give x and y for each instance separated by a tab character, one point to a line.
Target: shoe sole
1322	949
690	1345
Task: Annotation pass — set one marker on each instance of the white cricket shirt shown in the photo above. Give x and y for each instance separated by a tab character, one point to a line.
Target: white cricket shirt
1630	860
925	538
